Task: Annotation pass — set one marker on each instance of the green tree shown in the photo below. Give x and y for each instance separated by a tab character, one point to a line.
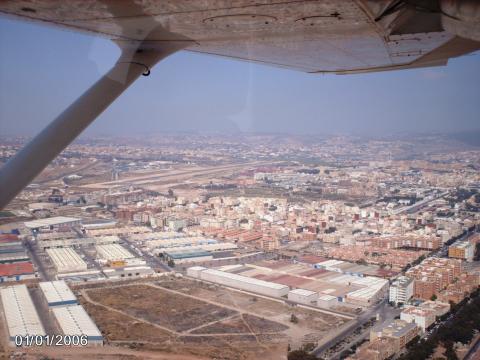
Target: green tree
300	355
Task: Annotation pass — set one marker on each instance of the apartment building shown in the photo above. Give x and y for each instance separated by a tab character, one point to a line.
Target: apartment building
400	331
401	290
433	275
423	317
464	250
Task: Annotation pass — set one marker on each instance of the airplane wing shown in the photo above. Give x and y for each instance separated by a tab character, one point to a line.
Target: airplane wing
318	36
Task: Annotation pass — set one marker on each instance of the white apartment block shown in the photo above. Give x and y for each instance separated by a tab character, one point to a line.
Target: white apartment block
401	290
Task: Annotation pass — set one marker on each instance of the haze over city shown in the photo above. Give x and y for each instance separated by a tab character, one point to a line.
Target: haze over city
44	69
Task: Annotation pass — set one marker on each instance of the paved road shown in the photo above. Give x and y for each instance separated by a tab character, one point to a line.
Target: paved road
45	315
386	313
474	351
44	274
151	260
383	308
418	205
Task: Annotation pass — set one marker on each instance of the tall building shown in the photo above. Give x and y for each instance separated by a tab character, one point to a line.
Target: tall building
401	290
464	250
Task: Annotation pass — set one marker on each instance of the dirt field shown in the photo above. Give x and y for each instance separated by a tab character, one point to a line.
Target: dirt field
176	313
271	309
147	317
118	327
179	316
230	326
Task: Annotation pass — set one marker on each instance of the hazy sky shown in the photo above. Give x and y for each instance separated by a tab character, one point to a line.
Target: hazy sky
44	69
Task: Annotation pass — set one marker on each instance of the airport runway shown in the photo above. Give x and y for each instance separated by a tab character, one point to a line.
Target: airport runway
171	176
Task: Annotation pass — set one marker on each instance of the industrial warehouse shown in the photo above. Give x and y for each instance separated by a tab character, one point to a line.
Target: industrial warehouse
181	248
73	320
66	260
57	293
309	286
70	317
20	313
113	252
119	231
64	311
239	281
53	223
15	264
75	241
11	249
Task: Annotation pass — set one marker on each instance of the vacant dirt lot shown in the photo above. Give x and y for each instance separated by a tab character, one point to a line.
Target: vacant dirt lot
177	313
229	326
150	318
273	310
118	327
182	316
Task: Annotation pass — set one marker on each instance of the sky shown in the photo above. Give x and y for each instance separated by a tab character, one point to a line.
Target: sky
44	69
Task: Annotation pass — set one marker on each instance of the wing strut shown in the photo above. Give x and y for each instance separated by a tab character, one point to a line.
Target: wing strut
137	58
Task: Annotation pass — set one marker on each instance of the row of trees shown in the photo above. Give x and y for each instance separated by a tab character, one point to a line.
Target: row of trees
460	329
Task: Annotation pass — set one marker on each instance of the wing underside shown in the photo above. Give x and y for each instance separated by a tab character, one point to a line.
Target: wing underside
341	36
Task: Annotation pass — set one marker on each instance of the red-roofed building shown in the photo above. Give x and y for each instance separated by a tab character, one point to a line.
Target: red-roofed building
311	259
17	271
6	238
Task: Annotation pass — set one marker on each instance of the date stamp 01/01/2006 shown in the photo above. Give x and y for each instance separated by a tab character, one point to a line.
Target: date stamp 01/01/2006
51	340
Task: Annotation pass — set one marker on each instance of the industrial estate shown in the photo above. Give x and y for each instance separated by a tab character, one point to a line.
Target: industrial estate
208	247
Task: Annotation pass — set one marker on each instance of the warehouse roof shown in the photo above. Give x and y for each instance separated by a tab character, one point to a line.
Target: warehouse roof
13	257
303	292
18	268
74	320
188	254
144	269
22	318
245	279
330	263
197	268
8	237
113	252
11	249
57	292
66	258
58	220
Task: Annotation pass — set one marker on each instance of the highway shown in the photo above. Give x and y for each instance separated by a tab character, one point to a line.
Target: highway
418	205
